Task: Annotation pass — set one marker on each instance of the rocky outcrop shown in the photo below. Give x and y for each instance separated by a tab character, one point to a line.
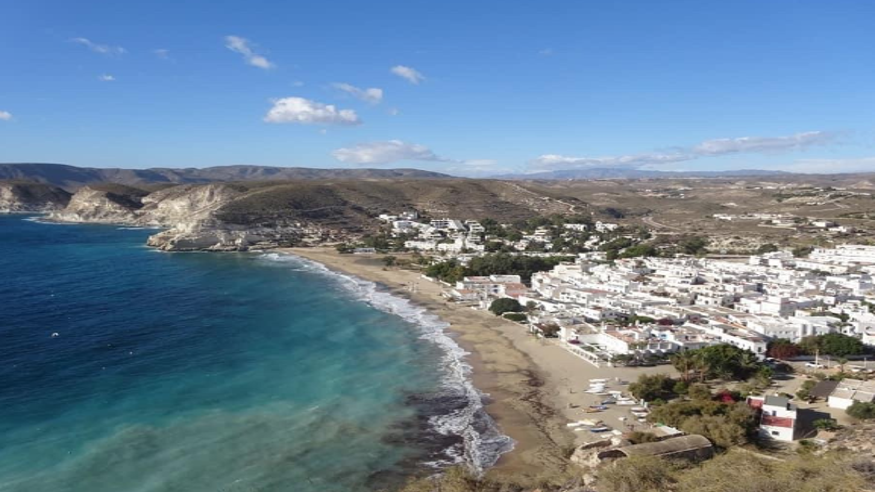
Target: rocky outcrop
21	197
103	205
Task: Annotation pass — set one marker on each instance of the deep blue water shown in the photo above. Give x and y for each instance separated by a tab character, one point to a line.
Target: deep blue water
126	369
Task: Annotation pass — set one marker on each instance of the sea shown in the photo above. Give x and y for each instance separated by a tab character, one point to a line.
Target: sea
126	369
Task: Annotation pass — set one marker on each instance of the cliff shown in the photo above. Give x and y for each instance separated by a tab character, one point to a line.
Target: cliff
245	215
31	197
105	203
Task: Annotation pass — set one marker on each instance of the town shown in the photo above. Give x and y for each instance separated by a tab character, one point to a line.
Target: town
785	332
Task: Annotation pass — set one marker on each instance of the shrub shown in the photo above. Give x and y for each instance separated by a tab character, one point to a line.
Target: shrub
517	317
862	411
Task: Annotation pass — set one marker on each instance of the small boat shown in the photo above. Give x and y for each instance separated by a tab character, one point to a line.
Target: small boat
626	402
598	381
609	401
638	409
600	428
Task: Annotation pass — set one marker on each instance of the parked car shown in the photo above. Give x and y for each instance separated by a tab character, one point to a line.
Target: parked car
815	365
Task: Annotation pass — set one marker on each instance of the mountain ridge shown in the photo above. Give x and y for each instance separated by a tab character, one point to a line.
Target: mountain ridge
73	177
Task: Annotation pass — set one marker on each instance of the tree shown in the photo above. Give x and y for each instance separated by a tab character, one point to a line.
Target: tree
862	410
782	349
766	248
835	344
652	387
505	305
390	261
802	251
685	363
693	245
531	306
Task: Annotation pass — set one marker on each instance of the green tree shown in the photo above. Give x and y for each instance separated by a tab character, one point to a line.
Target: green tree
505	305
650	387
390	261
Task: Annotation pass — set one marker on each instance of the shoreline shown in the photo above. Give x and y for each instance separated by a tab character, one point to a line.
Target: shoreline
519	396
533	386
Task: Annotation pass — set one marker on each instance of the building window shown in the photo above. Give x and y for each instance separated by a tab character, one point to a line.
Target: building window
775	433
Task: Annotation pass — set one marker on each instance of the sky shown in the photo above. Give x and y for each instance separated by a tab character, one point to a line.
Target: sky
468	88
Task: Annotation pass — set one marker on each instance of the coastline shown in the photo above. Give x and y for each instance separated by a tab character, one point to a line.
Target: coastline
521	397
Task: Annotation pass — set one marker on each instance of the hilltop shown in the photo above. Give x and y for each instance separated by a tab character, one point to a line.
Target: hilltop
72	177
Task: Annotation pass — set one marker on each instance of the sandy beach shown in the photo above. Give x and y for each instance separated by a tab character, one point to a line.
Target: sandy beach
535	386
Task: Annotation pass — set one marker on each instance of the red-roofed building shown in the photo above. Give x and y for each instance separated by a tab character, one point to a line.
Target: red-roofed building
777	417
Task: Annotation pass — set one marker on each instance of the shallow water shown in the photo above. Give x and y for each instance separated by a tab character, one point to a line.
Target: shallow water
125	369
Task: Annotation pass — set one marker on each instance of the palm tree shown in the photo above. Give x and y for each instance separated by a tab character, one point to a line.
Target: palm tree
684	363
842	361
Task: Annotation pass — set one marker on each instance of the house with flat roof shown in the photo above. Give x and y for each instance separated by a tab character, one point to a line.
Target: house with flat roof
778	417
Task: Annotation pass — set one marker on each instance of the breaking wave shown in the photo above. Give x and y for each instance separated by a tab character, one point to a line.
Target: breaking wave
479	443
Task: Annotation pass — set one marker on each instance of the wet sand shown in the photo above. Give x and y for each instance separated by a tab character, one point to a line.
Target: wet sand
535	386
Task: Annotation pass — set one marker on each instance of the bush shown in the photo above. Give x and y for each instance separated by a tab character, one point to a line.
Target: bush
826	424
724	424
517	317
505	305
862	411
637	474
804	391
699	392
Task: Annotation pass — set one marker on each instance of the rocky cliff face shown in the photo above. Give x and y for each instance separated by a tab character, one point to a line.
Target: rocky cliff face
102	205
188	212
31	197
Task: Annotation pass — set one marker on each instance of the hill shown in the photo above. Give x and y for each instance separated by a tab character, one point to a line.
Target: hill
72	177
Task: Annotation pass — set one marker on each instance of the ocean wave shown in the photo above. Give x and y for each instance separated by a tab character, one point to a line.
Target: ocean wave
481	442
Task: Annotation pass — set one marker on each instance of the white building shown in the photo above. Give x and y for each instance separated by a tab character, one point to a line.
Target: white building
778	417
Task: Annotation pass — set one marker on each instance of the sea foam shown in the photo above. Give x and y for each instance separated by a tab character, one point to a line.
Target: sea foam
481	441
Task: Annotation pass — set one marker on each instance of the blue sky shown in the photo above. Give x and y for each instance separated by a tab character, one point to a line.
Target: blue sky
472	88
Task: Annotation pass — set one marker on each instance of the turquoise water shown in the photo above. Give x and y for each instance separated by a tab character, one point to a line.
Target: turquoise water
126	369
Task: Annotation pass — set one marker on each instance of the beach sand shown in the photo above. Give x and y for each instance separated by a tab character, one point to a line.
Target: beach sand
534	385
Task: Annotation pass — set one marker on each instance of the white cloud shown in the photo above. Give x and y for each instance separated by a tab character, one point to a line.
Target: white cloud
799	141
708	148
5	116
554	161
106	78
371	95
385	153
245	48
393	112
306	112
103	49
411	74
830	166
480	163
162	53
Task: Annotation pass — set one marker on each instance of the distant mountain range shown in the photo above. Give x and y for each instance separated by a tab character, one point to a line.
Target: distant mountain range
72	177
613	173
